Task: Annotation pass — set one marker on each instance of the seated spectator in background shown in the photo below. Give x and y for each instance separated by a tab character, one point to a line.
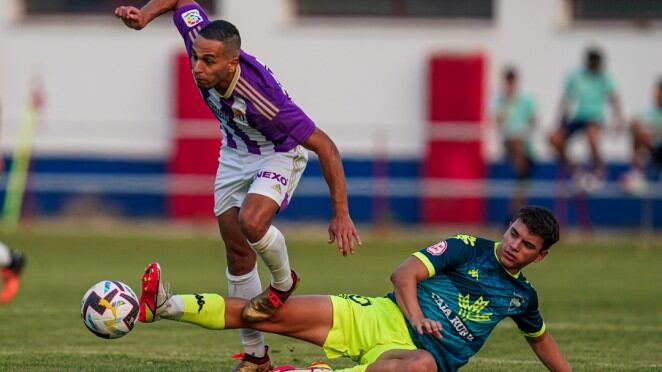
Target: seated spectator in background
646	143
515	115
585	95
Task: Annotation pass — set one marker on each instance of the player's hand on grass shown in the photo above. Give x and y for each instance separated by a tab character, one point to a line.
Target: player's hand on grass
342	231
426	326
131	16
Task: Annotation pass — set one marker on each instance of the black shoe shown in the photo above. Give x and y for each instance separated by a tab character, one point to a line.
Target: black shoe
18	261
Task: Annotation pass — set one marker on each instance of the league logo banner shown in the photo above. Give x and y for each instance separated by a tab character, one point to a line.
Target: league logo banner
437	249
192	17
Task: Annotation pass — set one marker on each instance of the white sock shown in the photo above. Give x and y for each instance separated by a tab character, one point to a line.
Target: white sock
247	286
273	251
5	256
173	308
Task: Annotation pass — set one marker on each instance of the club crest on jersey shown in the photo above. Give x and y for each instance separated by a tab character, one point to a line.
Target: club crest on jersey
192	17
437	249
515	302
239	111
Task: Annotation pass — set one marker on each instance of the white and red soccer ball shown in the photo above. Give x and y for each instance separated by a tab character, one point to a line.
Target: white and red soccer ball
109	309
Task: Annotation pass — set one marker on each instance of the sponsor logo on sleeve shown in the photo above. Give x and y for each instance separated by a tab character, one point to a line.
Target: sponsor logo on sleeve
192	17
437	249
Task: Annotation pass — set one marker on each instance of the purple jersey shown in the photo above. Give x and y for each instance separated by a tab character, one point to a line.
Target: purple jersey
257	115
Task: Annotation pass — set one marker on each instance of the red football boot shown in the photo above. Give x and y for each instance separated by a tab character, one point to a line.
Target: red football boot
11	284
251	363
152	294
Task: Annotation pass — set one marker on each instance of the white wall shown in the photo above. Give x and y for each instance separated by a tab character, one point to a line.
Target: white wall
362	80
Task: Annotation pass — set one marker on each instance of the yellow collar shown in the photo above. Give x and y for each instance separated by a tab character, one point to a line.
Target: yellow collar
496	246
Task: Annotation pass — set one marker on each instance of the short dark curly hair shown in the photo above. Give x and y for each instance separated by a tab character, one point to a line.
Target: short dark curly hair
541	222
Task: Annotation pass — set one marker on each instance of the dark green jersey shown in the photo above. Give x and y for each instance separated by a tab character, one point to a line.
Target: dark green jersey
469	292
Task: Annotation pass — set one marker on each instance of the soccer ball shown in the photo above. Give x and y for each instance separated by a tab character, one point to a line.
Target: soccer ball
109	309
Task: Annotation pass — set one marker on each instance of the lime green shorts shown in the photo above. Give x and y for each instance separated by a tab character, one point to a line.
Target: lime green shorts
366	327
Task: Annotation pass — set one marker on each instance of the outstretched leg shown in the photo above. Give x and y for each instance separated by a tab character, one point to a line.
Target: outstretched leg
308	318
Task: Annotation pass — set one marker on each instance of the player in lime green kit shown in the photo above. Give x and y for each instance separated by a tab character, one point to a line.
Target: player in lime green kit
447	299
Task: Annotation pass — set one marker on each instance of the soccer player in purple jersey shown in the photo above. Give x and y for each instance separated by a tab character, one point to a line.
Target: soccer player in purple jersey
265	137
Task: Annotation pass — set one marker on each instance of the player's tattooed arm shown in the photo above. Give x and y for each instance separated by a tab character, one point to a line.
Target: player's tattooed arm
341	228
137	19
404	279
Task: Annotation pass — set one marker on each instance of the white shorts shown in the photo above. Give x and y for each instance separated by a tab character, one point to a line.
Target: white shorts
275	176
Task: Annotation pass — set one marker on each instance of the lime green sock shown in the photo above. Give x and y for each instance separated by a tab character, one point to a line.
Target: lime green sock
206	310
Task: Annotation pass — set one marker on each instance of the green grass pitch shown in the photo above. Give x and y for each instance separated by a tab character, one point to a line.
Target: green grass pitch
602	301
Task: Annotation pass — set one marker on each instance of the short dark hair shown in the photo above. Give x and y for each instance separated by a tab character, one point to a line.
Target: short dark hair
659	83
224	32
593	58
510	73
541	222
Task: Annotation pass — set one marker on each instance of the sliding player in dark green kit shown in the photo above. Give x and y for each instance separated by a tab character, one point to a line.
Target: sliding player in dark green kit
447	299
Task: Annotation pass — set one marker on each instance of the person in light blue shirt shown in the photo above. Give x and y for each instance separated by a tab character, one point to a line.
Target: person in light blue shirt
647	133
515	114
646	144
586	94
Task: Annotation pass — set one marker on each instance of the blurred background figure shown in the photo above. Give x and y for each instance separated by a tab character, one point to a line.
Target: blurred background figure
515	116
11	263
11	266
646	144
586	93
